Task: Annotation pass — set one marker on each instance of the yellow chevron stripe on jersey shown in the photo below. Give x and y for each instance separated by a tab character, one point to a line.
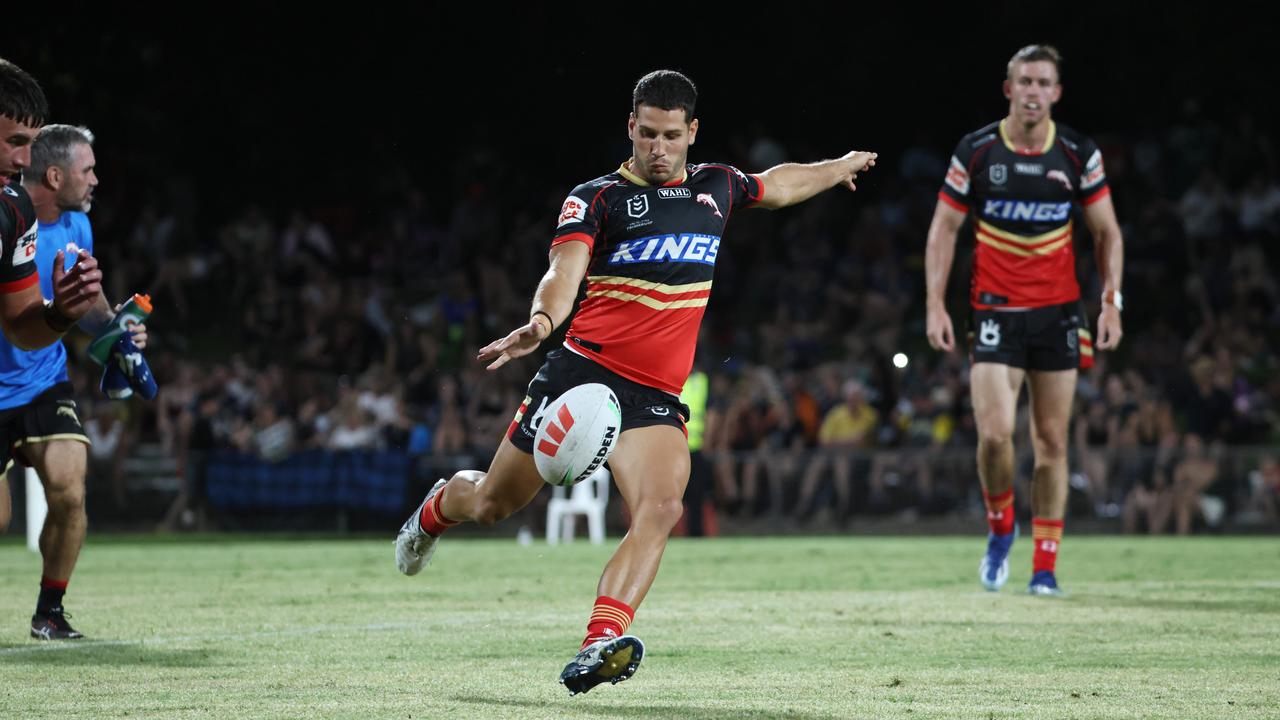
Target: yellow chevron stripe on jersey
998	234
625	171
1015	250
1048	141
647	284
647	301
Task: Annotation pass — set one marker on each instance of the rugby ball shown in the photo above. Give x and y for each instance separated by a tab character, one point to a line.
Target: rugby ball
576	434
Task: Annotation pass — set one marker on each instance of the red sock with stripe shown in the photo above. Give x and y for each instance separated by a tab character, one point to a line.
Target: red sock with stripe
432	518
1047	535
1000	513
609	619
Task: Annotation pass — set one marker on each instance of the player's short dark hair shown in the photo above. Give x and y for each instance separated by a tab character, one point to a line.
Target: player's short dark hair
1036	53
21	99
54	145
666	90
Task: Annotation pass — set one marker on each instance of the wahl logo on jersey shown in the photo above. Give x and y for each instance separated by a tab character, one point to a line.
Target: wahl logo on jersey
674	193
573	210
638	206
998	174
706	199
1060	177
667	248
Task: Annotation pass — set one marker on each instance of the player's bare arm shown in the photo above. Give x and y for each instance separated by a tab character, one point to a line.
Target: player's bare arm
552	303
102	313
938	254
1108	245
793	183
30	323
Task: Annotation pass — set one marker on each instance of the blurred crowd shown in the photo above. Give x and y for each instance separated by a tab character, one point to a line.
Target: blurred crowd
355	326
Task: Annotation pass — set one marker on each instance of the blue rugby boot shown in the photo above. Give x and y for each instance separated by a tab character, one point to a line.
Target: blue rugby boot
993	570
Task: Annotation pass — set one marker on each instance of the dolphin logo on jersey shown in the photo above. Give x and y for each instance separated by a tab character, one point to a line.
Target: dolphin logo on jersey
70	413
706	199
1061	177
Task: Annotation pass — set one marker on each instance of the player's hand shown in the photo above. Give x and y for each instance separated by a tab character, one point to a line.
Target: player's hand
1109	332
941	335
856	162
138	329
75	291
520	342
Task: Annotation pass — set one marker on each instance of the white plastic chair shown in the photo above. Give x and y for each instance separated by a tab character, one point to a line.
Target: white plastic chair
589	497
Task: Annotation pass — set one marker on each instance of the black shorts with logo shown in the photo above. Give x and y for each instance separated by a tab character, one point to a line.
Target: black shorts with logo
51	415
1044	338
642	405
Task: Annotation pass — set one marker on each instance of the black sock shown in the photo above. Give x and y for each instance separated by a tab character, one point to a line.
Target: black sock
50	599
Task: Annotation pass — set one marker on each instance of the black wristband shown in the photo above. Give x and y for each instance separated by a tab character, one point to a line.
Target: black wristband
551	324
56	321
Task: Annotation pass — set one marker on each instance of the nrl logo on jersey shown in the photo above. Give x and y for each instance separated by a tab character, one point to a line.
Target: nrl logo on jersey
638	206
998	174
674	193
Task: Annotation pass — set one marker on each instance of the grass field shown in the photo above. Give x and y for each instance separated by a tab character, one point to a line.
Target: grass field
231	627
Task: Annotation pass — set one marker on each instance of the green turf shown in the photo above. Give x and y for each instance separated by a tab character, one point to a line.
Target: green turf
745	628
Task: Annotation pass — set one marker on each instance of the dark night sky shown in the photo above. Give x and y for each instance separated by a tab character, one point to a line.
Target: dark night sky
295	106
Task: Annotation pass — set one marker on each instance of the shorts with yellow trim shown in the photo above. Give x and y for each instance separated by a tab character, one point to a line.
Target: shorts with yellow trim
1043	338
52	415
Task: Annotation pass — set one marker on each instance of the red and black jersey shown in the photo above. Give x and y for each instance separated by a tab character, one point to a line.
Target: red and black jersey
1021	205
653	254
17	238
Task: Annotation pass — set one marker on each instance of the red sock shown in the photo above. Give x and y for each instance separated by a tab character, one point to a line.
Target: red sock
1000	511
1047	535
609	618
433	520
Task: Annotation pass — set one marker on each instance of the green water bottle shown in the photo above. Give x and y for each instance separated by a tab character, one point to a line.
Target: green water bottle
137	310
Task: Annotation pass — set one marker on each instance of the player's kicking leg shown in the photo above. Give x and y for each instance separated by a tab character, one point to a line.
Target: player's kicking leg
470	495
651	467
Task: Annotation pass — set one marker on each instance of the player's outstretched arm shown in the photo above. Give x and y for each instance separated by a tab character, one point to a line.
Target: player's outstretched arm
938	254
793	183
31	323
552	303
1108	245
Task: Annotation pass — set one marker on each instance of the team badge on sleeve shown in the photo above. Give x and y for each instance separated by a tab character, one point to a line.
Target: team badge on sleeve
958	177
1093	172
25	249
573	210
